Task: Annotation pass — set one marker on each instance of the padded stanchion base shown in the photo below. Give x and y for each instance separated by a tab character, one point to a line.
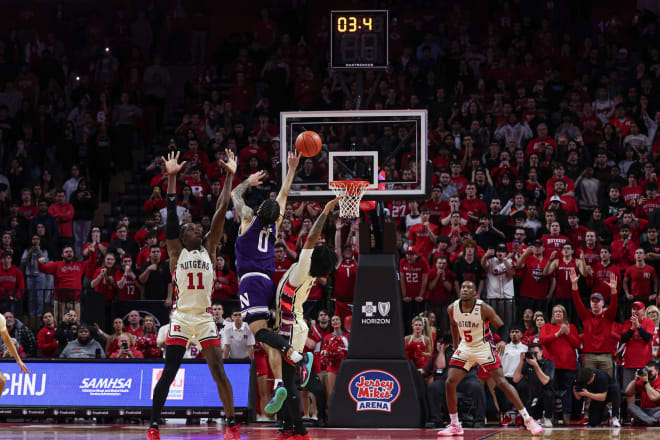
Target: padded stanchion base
378	393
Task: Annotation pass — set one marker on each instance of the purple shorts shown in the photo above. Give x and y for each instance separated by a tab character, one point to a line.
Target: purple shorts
256	292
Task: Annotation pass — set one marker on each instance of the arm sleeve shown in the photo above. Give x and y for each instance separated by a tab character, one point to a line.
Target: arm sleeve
172	222
301	270
627	335
646	336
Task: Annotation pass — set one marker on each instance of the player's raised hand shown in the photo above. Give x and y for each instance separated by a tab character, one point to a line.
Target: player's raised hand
292	159
172	165
331	204
255	179
23	367
230	163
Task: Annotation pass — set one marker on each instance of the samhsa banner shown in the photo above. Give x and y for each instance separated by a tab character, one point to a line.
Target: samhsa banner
102	384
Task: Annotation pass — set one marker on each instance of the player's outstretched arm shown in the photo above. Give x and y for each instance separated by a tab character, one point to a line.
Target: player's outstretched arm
292	160
317	227
172	167
12	350
244	212
213	237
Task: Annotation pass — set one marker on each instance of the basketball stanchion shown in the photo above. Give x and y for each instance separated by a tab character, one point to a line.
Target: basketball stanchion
376	386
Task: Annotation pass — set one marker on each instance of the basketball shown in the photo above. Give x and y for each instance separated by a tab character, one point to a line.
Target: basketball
309	143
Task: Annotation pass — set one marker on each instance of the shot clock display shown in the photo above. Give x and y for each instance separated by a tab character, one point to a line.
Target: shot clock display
359	39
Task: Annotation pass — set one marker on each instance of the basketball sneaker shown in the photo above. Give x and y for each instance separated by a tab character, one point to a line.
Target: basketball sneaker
506	421
451	430
533	427
307	436
305	371
231	433
287	434
153	434
276	402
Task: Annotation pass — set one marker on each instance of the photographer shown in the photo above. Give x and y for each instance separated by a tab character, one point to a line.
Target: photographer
646	382
533	378
126	349
601	389
436	371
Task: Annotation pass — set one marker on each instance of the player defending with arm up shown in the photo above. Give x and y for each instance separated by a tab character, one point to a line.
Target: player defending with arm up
191	263
316	260
255	266
471	319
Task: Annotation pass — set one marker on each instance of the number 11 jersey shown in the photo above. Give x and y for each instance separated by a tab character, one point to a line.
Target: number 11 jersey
193	281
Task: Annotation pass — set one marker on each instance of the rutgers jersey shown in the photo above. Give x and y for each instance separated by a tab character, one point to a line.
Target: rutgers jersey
474	330
562	274
193	281
345	279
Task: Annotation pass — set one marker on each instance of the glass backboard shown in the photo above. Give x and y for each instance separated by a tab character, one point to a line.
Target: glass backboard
388	148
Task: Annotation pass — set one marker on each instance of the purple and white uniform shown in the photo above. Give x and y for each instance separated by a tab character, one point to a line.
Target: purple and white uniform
255	266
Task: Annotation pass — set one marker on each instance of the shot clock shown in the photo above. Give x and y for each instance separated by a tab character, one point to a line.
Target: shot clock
359	39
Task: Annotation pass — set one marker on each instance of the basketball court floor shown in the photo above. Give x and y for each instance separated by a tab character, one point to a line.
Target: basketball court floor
174	432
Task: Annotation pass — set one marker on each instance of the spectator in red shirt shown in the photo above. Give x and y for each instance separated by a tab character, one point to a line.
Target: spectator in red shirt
453	231
632	192
94	251
642	278
436	205
128	288
67	276
560	339
566	202
46	337
620	121
603	270
536	287
598	323
194	156
648	385
457	178
559	173
414	272
626	217
28	209
345	275
103	280
198	185
133	326
590	252
650	201
151	240
225	287
637	333
422	236
576	233
282	261
12	284
438	293
623	248
147	343
563	267
126	348
541	142
554	241
63	213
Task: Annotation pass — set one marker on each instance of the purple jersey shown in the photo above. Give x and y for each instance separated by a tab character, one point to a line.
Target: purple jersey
255	249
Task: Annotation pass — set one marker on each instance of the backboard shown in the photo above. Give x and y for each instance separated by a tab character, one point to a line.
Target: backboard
388	148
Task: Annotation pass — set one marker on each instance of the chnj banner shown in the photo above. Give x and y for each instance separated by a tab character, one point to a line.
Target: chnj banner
117	384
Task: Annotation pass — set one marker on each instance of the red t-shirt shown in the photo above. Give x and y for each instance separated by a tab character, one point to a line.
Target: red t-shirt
66	275
420	238
597	328
107	290
439	295
631	194
137	332
398	210
11	278
534	284
143	256
638	351
641	280
225	286
576	236
412	275
601	277
553	243
591	256
345	280
474	207
562	274
561	350
130	291
459	182
436	210
280	269
646	402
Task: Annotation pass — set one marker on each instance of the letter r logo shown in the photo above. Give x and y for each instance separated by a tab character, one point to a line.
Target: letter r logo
177	328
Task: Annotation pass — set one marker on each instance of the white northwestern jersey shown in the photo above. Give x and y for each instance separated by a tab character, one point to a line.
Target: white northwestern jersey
474	330
193	281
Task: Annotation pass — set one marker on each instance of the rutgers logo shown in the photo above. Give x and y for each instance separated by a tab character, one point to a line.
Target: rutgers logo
177	328
374	390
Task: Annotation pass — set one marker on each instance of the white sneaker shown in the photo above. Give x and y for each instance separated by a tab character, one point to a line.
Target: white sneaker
262	418
547	423
614	422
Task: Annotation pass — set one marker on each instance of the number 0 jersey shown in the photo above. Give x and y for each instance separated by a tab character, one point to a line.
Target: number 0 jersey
474	330
193	281
255	249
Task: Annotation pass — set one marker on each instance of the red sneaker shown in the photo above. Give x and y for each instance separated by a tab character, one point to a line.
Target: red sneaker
582	421
231	433
519	420
286	435
506	421
307	436
153	434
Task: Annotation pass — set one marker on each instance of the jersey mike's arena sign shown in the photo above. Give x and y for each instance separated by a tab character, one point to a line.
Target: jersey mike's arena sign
374	390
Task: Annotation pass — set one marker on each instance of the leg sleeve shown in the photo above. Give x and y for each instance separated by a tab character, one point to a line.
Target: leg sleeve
173	357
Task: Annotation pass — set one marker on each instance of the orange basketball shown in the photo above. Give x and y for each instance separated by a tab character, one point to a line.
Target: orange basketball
309	143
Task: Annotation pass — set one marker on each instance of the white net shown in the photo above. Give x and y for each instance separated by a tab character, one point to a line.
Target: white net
349	206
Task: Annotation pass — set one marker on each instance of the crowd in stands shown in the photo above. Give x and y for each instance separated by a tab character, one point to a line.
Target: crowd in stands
544	146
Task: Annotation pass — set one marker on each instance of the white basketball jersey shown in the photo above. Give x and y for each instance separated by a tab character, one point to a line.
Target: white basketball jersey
474	330
193	281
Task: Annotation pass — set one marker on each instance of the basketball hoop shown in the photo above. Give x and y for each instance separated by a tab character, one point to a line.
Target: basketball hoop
349	206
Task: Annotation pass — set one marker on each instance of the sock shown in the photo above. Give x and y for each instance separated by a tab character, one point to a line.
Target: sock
454	418
276	384
231	421
523	412
296	357
154	425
